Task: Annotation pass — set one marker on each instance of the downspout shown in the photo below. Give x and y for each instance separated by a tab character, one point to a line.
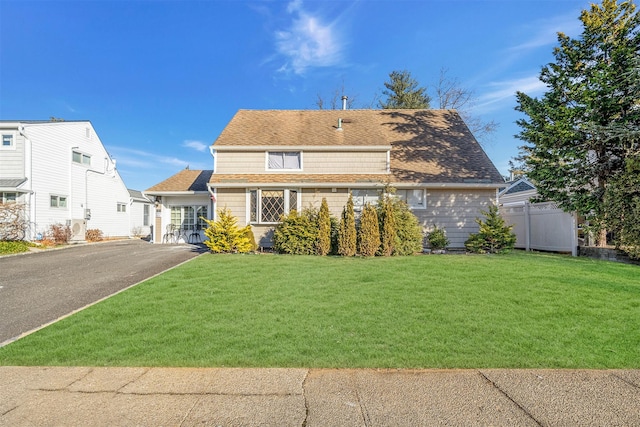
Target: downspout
28	165
214	200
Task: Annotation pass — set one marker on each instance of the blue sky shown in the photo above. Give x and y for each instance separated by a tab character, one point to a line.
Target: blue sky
159	79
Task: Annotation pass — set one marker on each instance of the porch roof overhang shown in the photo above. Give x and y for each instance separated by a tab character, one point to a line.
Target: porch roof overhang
173	193
12	184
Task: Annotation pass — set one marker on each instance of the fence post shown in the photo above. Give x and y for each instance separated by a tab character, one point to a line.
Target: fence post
527	226
574	234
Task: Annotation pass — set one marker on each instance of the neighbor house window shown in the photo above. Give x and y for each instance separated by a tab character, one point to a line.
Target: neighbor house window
284	160
414	198
7	140
58	201
189	217
122	207
8	197
361	197
267	206
145	215
81	158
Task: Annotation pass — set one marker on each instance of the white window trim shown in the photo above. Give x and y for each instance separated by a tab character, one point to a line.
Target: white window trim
57	206
358	207
287	207
4	198
266	161
424	199
13	141
121	207
196	218
83	156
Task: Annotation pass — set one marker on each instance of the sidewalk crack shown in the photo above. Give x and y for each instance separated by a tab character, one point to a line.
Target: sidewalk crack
363	409
190	411
118	391
505	394
304	396
624	380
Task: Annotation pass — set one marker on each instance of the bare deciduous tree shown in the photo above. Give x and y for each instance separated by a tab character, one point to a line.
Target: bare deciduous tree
13	221
451	95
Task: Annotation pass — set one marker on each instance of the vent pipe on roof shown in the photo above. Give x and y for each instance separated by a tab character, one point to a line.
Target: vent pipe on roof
344	102
339	124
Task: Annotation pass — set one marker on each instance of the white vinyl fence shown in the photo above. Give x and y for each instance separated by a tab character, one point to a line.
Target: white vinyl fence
542	226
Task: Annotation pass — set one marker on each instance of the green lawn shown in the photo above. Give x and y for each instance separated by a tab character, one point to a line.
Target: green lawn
464	311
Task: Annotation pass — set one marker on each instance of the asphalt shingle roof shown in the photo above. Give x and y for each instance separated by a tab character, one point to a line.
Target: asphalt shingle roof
427	145
185	180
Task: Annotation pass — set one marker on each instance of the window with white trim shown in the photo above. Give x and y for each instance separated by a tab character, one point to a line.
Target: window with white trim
8	197
8	142
363	196
122	207
414	198
189	217
81	158
145	214
284	160
58	201
267	206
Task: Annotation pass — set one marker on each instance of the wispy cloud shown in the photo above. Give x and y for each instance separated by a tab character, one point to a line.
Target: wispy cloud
129	157
545	33
195	145
308	42
500	92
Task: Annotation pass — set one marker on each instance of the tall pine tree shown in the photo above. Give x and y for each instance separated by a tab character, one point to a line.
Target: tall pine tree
570	152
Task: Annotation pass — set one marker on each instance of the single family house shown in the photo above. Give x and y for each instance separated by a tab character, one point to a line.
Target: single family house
62	174
269	162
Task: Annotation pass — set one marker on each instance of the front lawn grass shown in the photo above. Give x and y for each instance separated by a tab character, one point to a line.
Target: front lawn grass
521	310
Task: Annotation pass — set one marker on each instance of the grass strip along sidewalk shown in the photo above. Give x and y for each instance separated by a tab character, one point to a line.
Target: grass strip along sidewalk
522	310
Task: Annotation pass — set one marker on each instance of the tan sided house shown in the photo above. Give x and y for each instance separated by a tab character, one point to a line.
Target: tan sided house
266	163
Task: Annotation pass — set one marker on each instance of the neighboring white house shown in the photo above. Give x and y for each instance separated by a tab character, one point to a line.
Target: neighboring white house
63	175
140	214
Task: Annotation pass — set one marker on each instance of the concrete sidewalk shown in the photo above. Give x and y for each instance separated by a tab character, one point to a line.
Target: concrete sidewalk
54	396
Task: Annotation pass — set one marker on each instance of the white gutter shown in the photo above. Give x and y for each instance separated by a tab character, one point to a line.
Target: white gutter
353	184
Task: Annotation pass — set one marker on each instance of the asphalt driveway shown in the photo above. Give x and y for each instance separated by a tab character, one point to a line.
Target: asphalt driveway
37	288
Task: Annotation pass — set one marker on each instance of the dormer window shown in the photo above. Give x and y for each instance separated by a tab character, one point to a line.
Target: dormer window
284	160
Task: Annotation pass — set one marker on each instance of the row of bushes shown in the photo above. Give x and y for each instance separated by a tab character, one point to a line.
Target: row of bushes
389	228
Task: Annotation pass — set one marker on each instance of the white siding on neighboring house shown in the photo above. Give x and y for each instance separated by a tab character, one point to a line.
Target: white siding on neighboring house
141	215
12	157
59	190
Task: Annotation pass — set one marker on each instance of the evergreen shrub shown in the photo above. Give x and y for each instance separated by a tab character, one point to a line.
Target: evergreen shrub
297	234
494	235
437	238
224	235
369	231
347	231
